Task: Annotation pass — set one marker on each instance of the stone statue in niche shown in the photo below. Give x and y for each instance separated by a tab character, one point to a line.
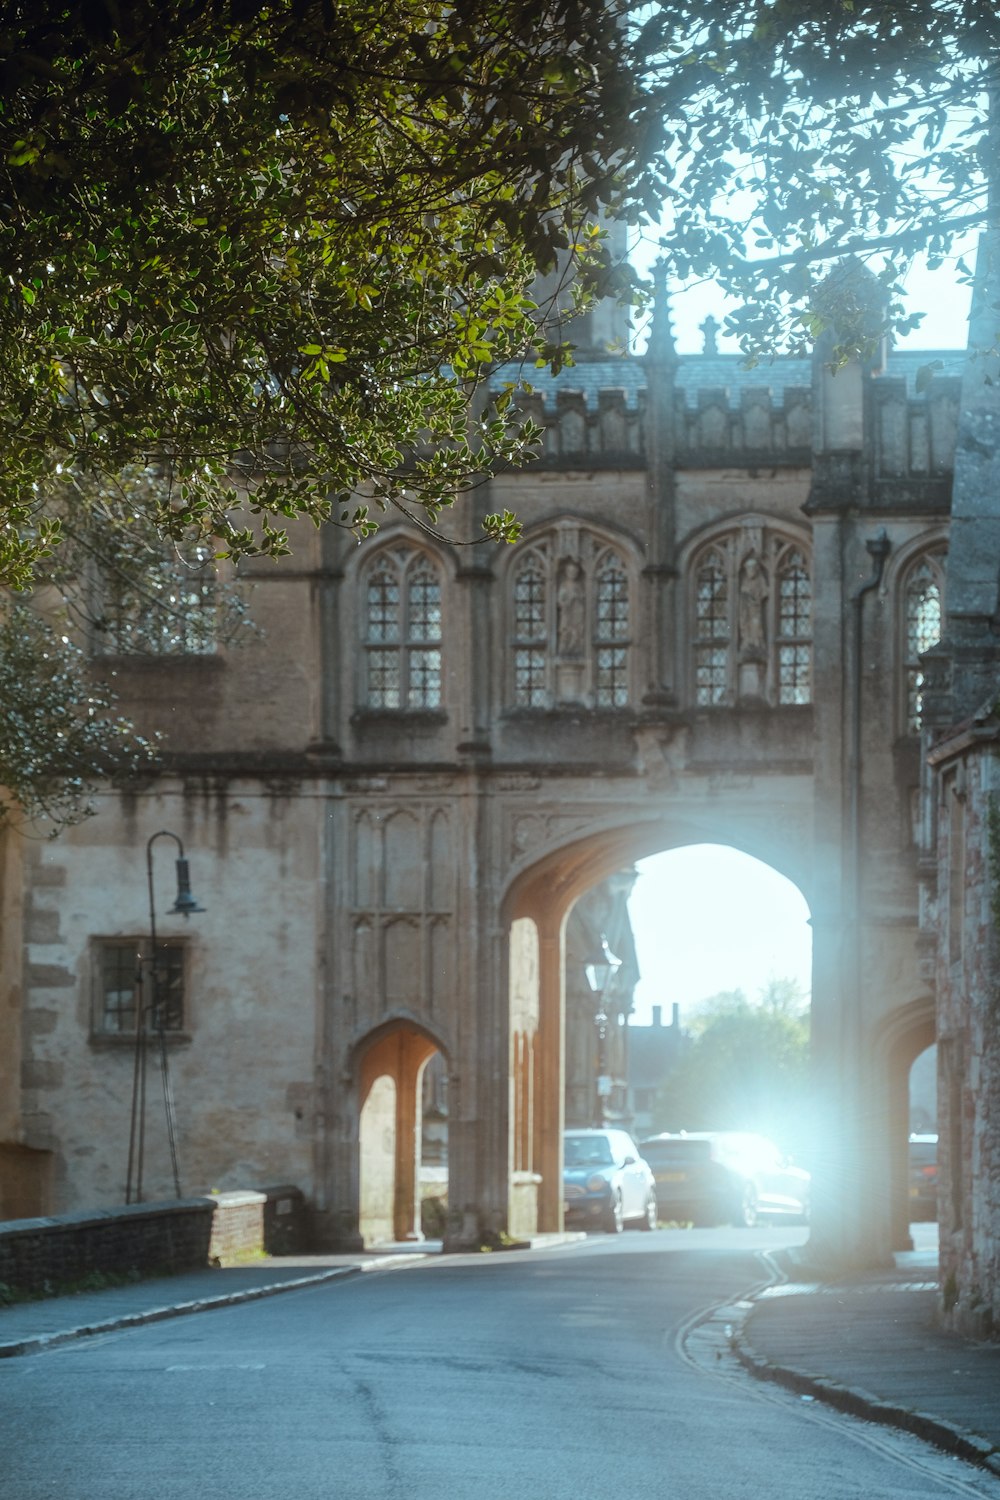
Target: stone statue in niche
754	590
570	613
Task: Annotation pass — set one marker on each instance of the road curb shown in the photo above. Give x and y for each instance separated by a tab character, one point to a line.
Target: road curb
39	1343
857	1402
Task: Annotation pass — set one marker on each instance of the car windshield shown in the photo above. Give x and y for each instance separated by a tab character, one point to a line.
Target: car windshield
587	1151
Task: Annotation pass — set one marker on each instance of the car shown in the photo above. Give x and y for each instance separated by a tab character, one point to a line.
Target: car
725	1177
606	1183
923	1176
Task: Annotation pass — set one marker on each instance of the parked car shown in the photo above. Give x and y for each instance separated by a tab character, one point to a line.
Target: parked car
725	1177
923	1176
606	1183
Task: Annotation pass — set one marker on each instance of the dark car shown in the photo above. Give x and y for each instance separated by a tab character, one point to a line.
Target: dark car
724	1177
606	1182
923	1176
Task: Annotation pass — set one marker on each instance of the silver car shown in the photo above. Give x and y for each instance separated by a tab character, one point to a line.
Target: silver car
606	1183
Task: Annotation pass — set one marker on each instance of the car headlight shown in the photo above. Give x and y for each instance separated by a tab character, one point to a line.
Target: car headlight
597	1184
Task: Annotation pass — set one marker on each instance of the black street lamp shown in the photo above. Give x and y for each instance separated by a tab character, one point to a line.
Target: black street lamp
600	971
153	1011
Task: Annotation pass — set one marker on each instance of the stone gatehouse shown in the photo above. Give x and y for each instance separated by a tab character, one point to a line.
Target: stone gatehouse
712	631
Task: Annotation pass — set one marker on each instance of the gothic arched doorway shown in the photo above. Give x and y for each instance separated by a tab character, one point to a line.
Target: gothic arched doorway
391	1089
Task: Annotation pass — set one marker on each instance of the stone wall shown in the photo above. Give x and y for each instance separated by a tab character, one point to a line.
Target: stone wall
968	980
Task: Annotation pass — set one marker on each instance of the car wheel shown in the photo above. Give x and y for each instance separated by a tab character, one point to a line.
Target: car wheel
746	1215
649	1219
614	1216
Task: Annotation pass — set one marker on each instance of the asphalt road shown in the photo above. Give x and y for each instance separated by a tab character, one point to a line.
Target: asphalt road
554	1375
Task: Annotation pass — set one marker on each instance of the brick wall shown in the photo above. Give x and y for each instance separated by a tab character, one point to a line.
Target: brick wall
150	1239
146	1238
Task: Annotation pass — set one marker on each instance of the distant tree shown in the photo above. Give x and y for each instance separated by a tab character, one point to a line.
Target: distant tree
747	1066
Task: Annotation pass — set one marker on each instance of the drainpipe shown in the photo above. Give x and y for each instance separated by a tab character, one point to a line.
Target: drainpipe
878	548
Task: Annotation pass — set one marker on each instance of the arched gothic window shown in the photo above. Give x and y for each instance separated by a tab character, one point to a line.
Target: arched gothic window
923	603
712	630
570	625
531	632
402	632
612	631
751	620
794	628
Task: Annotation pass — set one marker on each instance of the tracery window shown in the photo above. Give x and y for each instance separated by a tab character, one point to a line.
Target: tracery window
612	631
531	633
570	632
751	620
712	630
794	629
402	632
923	602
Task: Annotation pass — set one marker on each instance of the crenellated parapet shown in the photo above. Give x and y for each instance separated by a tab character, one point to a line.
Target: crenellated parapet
748	428
725	415
606	428
914	437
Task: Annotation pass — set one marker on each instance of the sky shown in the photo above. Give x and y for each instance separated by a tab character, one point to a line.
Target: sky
708	918
945	305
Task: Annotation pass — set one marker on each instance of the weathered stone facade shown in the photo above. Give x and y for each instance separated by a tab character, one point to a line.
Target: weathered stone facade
960	863
392	799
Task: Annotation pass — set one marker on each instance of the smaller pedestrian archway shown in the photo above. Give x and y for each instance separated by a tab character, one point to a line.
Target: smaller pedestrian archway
906	1035
392	1064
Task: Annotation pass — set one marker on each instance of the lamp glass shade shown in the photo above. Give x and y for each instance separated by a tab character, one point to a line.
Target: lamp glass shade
601	968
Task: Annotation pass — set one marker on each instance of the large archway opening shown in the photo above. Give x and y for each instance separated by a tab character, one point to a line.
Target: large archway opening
704	1022
569	1048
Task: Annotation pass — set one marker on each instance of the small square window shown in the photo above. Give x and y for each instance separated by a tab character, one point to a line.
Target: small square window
127	984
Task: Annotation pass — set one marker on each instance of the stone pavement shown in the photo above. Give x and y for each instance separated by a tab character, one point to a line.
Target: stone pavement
868	1343
871	1344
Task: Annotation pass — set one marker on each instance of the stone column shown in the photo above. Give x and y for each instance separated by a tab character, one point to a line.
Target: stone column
549	1078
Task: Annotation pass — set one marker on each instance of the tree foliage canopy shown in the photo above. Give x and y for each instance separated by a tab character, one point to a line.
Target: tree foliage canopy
269	248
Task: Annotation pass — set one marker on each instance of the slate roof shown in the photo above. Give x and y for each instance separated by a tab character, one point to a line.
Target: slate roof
698	372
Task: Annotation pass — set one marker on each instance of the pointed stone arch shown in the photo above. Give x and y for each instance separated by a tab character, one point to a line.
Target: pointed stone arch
899	1041
388	1064
535	908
